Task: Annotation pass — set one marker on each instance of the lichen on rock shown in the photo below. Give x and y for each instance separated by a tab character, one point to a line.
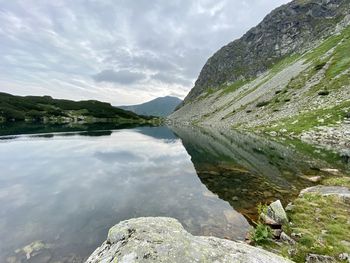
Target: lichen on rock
160	239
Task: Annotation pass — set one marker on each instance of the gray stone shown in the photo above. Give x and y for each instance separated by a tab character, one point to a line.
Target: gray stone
314	258
268	220
344	257
165	240
284	237
276	211
339	191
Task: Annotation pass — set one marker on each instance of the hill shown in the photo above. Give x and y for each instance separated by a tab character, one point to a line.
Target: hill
160	107
47	109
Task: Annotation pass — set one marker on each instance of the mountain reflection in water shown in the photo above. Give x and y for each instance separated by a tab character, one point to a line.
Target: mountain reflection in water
63	191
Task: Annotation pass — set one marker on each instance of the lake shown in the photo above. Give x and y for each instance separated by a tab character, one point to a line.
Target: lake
61	192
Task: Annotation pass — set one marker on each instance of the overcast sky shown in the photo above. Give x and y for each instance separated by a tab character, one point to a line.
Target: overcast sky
120	51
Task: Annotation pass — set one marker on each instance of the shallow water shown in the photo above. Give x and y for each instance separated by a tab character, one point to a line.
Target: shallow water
67	189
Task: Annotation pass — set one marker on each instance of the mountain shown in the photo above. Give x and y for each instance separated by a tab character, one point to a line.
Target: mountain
289	74
160	107
45	108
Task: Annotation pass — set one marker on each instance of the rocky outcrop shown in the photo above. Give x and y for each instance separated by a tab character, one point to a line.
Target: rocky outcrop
165	240
339	191
290	28
288	76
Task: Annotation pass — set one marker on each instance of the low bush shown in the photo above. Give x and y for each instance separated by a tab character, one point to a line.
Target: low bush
262	104
323	93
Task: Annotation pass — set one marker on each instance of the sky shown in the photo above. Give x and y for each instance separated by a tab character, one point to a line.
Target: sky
120	51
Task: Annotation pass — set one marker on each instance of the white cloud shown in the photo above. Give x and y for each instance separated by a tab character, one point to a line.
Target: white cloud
120	51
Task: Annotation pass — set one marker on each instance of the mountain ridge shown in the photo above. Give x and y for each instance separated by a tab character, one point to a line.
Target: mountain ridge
160	107
47	109
291	28
300	95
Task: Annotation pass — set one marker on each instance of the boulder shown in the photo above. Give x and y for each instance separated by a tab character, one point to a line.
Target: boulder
276	211
314	258
165	240
340	191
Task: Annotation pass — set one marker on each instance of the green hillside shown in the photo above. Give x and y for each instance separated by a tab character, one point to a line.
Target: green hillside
46	109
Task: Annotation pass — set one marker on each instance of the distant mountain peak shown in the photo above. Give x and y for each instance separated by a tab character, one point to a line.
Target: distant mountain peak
161	106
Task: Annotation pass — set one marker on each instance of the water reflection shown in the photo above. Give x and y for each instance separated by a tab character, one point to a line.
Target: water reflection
245	169
64	191
61	192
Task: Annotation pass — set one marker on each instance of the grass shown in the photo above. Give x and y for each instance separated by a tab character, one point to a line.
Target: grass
338	181
309	120
235	86
341	59
322	223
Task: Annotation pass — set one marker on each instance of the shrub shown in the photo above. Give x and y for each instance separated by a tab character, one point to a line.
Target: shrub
320	65
323	93
262	104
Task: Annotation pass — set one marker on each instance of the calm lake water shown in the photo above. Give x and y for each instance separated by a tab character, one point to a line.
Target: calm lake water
61	192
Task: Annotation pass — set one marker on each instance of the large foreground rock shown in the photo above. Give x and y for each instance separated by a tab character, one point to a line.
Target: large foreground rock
165	240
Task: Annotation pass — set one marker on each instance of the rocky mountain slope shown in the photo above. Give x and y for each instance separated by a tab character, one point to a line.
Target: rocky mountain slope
160	107
290	74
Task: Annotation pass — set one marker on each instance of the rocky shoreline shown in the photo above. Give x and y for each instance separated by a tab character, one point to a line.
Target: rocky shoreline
161	239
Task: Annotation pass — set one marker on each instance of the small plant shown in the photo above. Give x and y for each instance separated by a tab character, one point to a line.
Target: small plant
261	234
262	209
323	93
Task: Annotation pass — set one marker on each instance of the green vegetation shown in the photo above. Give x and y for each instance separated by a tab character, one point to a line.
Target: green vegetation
338	181
323	93
262	104
308	120
235	86
262	233
47	109
320	225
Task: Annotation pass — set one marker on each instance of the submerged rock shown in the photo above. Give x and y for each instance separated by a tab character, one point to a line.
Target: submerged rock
33	248
165	240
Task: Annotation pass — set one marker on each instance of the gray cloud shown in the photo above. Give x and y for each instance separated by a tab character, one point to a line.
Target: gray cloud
121	77
55	47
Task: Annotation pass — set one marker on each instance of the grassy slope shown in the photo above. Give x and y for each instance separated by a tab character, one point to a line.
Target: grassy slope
336	77
321	224
35	108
